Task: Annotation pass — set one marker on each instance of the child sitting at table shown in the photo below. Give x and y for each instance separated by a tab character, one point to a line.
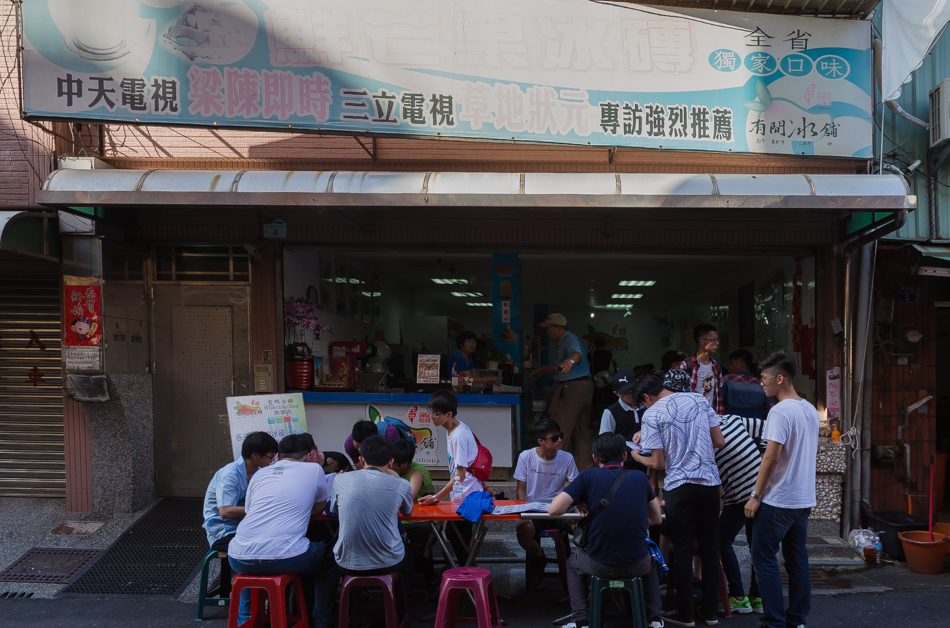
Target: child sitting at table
541	473
462	449
369	502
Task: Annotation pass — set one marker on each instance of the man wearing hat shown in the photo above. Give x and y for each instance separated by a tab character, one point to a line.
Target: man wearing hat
573	391
623	417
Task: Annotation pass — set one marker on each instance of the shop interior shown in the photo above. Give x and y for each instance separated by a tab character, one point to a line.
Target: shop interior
641	305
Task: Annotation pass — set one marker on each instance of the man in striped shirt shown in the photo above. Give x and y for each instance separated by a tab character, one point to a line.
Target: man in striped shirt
738	463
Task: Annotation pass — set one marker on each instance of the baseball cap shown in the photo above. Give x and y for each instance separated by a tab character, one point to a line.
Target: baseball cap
677	380
623	382
554	319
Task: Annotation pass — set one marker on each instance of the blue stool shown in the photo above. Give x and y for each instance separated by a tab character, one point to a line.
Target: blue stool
634	590
221	597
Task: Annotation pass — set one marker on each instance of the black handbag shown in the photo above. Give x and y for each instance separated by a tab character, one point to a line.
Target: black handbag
581	529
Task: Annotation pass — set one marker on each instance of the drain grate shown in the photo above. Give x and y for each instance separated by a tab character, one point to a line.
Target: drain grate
15	595
158	556
821	579
50	565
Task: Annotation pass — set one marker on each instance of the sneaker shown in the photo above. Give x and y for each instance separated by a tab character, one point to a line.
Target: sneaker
535	568
656	622
573	624
710	622
756	603
674	617
740	605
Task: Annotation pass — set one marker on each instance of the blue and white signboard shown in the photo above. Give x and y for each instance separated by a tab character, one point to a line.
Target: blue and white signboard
558	71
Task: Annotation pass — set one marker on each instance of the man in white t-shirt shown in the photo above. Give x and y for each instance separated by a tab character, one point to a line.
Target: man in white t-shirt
271	537
541	474
784	495
462	449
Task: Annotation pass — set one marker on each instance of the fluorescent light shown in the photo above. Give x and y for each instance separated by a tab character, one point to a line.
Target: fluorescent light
467	294
372	294
478	304
618	306
352	280
637	283
450	281
626	296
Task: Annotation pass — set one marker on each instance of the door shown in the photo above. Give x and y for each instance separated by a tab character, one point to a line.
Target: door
202	356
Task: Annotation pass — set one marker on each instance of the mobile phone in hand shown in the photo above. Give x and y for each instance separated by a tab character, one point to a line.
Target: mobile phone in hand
645	452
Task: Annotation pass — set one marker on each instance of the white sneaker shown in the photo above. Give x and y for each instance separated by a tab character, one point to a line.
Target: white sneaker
573	625
656	623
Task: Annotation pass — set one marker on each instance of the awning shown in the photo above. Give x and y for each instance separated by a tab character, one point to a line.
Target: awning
934	250
245	188
31	233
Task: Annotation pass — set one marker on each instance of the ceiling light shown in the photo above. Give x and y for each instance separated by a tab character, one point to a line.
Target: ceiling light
637	283
618	306
372	294
626	296
449	281
467	294
478	304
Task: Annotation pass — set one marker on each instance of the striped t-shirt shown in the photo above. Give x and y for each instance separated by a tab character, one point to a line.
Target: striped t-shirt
739	460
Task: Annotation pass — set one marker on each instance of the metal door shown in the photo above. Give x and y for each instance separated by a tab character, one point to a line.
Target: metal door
202	355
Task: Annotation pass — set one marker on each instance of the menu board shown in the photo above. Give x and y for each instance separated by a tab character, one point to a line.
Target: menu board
427	370
278	415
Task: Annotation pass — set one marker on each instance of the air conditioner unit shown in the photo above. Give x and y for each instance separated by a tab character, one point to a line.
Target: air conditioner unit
940	113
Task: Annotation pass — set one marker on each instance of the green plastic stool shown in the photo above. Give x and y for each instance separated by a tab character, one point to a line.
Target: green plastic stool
634	589
221	597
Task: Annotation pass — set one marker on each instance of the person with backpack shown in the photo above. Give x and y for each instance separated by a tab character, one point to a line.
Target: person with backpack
363	430
462	449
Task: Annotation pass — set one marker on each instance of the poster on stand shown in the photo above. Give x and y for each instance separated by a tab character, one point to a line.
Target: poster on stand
278	415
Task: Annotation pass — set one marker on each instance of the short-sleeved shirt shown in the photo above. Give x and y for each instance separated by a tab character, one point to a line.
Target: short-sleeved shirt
738	461
459	363
369	503
278	504
567	345
427	488
462	450
794	424
389	431
227	488
544	478
679	424
618	534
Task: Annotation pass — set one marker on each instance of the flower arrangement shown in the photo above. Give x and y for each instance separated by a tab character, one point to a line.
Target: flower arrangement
302	327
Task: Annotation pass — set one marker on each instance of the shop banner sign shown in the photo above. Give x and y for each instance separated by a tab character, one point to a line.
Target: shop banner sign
506	304
555	71
278	415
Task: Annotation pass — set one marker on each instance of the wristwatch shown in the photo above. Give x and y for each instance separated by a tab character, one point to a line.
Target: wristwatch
572	360
755	495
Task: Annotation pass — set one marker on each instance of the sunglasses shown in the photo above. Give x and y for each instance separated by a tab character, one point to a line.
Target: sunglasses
555	438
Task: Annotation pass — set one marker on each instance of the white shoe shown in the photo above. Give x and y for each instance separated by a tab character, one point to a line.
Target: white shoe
573	625
656	623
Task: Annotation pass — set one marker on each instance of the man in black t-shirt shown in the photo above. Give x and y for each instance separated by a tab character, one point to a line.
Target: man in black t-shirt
617	536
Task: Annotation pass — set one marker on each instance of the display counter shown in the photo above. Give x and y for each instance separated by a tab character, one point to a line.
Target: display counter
331	415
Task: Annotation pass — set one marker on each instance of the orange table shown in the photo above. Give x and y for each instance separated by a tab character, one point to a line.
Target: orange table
445	512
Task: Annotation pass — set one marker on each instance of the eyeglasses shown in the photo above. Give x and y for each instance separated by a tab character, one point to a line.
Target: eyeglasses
767	378
711	341
434	413
555	438
269	456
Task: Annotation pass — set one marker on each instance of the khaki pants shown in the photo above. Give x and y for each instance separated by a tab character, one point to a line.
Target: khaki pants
571	409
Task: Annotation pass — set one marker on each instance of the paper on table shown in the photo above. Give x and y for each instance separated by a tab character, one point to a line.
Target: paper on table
513	508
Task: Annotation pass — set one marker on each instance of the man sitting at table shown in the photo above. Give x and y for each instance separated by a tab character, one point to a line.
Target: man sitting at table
541	473
270	539
224	499
617	536
360	432
369	502
420	481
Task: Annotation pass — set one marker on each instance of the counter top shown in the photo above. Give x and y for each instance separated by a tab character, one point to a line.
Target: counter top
420	398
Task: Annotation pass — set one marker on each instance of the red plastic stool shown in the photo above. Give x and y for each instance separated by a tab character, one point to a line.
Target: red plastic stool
275	587
476	580
560	550
394	596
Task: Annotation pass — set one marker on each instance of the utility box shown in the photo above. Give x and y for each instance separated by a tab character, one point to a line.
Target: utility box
940	113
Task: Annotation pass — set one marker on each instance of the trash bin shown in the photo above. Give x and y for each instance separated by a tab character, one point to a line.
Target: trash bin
889	524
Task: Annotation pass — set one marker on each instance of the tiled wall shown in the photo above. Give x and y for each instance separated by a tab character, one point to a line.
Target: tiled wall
895	386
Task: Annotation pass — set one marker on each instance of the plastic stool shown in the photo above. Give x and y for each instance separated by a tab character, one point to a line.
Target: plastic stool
477	581
561	551
394	596
276	589
222	596
634	590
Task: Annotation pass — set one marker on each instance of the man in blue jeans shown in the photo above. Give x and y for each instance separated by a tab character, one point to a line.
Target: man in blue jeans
271	539
784	495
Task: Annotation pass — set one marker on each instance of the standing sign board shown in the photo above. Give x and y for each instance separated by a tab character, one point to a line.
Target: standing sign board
556	71
278	415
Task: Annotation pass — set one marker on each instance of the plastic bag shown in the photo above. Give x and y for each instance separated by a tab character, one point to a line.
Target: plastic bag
861	538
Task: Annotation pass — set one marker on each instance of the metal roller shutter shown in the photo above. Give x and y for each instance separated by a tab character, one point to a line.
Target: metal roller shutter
32	456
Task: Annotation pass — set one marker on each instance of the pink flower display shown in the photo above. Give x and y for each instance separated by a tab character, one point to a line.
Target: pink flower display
302	326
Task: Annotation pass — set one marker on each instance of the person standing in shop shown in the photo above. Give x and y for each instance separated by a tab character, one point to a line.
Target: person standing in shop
462	362
706	372
573	393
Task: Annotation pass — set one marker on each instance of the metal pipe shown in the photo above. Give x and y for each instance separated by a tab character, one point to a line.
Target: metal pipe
908	479
850	495
891	104
870	254
876	230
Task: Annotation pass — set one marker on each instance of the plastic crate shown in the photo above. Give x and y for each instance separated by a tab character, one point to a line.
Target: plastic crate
889	524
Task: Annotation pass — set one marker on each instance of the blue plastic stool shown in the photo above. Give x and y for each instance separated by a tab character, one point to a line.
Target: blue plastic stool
221	597
634	589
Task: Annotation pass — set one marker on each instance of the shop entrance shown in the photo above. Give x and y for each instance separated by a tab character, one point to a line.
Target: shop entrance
202	351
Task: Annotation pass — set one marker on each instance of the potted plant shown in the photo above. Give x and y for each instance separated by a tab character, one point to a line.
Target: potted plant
490	356
301	328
